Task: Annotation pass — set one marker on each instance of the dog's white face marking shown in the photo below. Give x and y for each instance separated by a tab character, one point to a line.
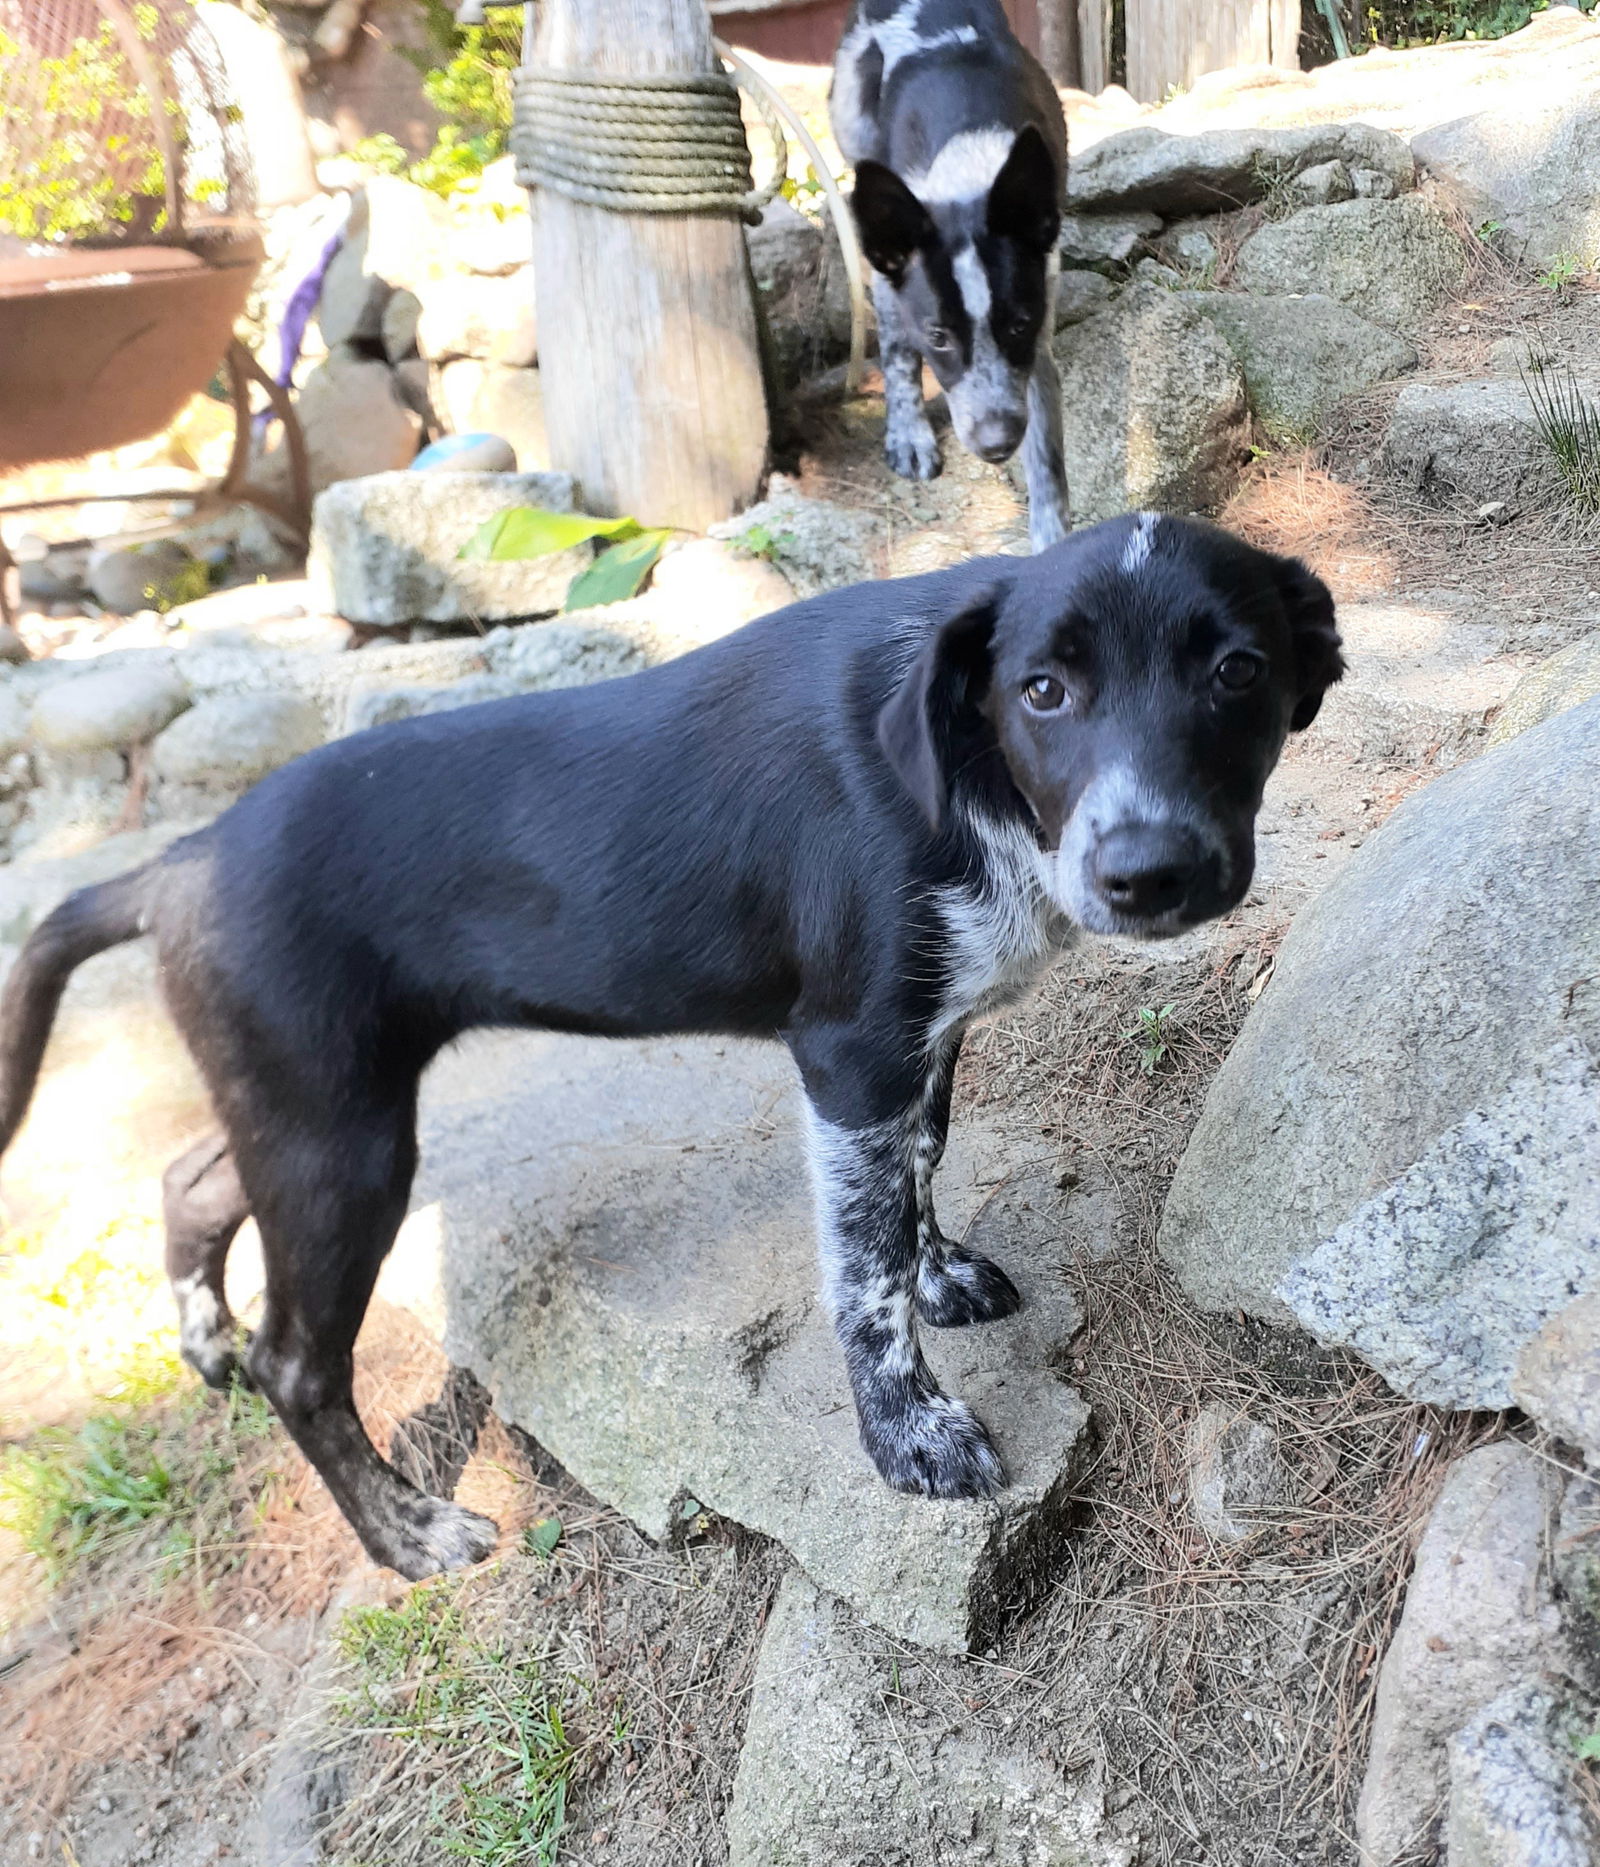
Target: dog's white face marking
990	384
1136	553
1119	797
964	169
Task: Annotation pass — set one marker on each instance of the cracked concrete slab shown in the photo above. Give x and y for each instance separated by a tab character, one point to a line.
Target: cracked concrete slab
629	1267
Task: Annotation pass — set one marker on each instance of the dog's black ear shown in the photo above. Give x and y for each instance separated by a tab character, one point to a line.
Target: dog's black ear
926	722
892	221
1318	663
1024	201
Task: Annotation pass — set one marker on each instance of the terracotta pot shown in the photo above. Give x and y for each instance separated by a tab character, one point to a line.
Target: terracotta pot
98	349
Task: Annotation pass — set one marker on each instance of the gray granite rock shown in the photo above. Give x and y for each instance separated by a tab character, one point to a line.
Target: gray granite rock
386	549
1512	1800
834	1770
1479	1619
635	1283
1391	261
1153	407
1446	964
110	708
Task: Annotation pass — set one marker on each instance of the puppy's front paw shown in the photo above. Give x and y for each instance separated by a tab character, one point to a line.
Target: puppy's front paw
961	1287
933	1446
434	1537
912	450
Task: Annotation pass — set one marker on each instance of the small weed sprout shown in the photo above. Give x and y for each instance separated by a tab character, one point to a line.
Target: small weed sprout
1569	425
1154	1034
756	541
1274	187
1561	272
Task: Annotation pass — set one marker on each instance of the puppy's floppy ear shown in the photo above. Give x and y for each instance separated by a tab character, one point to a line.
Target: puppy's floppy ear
1318	663
892	221
925	727
1024	201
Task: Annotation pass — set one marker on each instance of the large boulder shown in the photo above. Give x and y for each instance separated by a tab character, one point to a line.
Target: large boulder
397	237
1479	1619
385	549
816	544
1302	356
354	423
1391	261
1153	406
1219	169
1533	174
1512	1800
635	1282
1470	444
837	1766
1399	1150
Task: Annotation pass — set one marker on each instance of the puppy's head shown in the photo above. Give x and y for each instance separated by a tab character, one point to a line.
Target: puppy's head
1125	694
966	243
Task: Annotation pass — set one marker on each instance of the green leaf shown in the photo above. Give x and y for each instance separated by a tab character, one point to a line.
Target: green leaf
1589	1749
541	1538
532	532
616	574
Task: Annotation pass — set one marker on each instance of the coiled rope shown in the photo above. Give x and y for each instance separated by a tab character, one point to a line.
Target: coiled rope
642	145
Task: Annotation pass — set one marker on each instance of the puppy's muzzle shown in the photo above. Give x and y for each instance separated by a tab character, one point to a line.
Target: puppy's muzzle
1154	873
996	437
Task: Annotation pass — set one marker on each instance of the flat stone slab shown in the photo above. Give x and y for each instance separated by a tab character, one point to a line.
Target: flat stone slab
833	1769
630	1268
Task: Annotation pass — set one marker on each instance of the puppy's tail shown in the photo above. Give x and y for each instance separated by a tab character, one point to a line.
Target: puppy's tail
86	923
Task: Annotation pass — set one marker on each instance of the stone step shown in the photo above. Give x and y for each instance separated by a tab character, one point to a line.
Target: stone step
1421	687
629	1266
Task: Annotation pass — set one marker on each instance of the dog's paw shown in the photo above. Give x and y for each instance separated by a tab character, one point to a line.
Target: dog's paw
962	1288
934	1447
913	451
220	1360
433	1538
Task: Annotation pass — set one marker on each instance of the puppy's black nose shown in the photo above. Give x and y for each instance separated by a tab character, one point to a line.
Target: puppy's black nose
1146	869
995	437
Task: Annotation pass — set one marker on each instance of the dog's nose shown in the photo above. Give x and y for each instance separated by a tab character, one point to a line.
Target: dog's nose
995	437
1146	869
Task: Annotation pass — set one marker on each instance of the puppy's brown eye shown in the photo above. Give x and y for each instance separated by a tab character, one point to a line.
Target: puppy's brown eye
939	338
1044	694
1237	672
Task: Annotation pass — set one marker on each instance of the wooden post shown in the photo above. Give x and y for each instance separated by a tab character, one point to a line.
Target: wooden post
648	350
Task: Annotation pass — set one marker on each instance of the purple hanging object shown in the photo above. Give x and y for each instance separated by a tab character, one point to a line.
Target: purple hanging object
297	310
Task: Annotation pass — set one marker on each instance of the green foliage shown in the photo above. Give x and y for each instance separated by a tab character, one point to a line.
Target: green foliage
417	1675
1432	22
1154	1036
468	75
1589	1748
522	532
130	1471
383	153
756	541
79	157
1561	272
541	1538
1569	425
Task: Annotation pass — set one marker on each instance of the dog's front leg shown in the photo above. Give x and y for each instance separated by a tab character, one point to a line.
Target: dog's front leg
863	1163
909	442
955	1286
1044	462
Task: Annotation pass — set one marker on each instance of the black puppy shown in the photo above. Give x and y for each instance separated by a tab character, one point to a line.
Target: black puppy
960	153
855	825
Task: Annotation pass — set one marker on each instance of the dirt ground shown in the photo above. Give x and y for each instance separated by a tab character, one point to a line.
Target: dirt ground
157	1652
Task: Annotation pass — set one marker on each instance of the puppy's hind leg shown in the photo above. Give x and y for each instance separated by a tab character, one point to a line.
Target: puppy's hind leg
329	1197
204	1206
1044	460
955	1286
911	446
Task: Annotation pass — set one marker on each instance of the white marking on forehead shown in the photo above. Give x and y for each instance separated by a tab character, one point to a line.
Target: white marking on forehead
898	37
965	168
973	282
1136	554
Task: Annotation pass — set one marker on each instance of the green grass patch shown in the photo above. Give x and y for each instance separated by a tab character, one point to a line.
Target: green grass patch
477	1719
1569	424
148	1473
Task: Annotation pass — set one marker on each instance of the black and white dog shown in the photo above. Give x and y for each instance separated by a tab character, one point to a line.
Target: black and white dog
960	154
854	825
